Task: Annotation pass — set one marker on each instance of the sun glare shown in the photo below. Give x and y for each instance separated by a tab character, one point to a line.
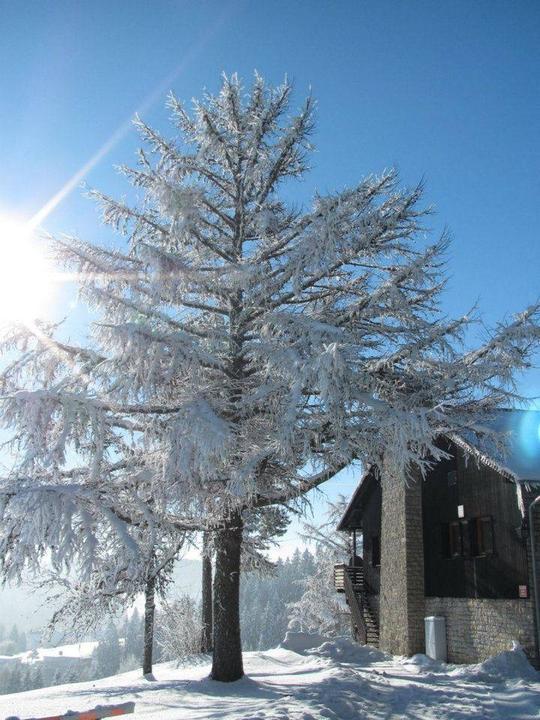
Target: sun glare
25	274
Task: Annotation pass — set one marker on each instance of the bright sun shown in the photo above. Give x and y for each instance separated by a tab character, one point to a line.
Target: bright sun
25	275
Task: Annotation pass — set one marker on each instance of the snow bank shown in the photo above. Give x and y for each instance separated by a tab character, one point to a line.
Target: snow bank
504	667
299	642
422	662
346	651
509	665
341	649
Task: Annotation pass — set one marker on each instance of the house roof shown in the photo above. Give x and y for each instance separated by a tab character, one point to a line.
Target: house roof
352	517
519	461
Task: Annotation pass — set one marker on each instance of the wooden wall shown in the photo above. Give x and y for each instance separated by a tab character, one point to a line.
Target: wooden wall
482	492
371	521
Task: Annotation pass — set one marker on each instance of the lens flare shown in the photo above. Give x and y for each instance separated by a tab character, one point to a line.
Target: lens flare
26	278
529	435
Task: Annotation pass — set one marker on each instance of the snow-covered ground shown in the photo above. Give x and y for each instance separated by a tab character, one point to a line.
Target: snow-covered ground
337	681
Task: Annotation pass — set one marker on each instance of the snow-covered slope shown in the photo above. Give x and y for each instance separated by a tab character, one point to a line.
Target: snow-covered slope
74	651
62	657
337	681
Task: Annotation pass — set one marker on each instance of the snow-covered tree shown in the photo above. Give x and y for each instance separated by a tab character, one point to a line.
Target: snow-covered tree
320	609
133	635
206	594
247	350
179	628
109	589
106	656
265	598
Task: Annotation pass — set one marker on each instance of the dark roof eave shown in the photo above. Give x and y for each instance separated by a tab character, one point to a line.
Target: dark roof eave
342	526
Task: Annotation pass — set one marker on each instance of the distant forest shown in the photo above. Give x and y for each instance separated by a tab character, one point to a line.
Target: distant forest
264	611
265	600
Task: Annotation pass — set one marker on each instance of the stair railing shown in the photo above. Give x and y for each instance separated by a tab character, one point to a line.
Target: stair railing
367	594
339	575
356	609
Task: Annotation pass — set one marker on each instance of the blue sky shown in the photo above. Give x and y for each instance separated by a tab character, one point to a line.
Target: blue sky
447	92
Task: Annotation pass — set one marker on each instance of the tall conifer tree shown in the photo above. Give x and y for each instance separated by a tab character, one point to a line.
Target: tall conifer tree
247	350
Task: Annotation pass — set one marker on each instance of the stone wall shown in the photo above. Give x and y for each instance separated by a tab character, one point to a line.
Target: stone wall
402	568
479	628
476	627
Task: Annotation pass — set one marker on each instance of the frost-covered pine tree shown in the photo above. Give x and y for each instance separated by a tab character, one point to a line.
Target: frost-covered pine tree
106	656
247	351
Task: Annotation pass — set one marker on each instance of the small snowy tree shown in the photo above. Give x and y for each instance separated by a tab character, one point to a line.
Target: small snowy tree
109	589
179	633
247	351
320	609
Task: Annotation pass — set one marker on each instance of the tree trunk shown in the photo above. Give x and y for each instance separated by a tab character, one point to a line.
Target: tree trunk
149	611
206	635
227	652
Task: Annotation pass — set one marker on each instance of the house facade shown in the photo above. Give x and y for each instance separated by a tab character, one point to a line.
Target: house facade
458	544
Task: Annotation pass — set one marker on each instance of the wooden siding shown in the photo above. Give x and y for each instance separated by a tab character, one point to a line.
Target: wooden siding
371	527
482	492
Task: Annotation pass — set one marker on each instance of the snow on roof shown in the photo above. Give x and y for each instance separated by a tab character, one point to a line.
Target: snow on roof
521	457
76	650
62	653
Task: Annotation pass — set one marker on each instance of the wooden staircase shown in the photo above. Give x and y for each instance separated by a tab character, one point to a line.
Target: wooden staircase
350	580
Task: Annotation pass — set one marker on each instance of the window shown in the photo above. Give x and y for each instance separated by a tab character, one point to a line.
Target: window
467	538
482	536
454	539
452	478
375	551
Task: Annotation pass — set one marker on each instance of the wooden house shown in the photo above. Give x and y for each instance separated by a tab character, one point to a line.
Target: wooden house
464	544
